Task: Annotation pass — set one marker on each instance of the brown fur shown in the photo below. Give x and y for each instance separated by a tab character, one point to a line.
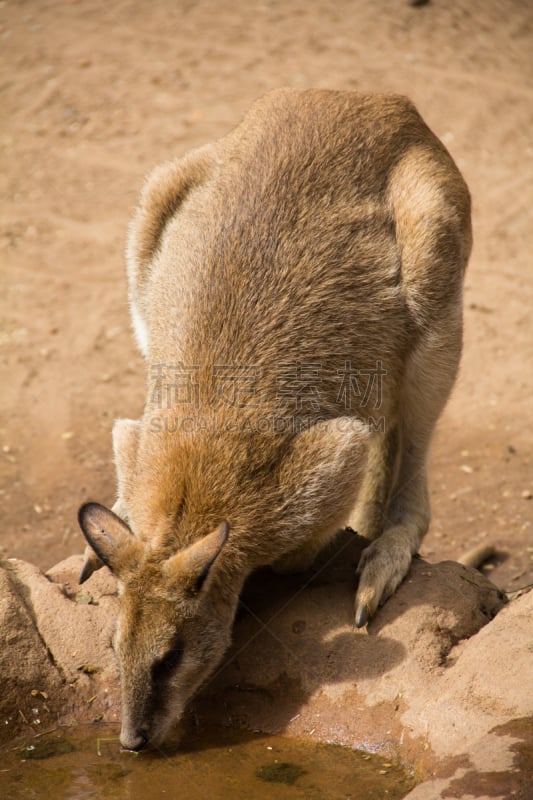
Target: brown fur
329	228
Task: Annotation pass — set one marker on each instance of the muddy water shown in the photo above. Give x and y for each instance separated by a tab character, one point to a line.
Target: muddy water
85	763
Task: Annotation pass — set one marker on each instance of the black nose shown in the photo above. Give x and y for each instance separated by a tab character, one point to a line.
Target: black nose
139	742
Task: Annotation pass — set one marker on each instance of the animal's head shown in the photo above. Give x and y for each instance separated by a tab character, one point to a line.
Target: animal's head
174	624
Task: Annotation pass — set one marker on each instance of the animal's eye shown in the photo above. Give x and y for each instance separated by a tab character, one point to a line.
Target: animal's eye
164	667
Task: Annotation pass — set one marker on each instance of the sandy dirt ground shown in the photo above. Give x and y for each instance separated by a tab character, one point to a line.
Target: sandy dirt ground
94	94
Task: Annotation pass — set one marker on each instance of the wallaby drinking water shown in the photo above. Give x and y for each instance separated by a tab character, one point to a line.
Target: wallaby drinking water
296	288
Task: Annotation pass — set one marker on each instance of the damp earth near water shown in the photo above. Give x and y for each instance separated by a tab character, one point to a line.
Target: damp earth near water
87	762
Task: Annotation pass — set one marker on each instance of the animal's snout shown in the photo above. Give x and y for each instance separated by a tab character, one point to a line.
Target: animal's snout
137	741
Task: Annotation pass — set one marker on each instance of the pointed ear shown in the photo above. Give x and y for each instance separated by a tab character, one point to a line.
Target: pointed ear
192	566
324	461
110	538
125	445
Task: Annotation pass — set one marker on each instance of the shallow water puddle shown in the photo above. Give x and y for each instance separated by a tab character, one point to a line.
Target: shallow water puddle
87	762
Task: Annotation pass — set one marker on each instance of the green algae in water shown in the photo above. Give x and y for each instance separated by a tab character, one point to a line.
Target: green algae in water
215	764
47	748
280	773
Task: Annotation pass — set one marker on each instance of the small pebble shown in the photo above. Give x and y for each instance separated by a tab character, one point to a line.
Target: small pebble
466	468
527	494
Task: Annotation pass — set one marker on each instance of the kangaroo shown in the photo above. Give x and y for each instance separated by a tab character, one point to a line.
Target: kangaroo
296	289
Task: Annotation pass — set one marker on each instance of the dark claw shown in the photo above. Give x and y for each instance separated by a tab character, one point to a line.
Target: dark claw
362	616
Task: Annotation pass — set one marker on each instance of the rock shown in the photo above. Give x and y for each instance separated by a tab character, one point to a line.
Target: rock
75	633
383	678
48	635
481	713
25	663
437	677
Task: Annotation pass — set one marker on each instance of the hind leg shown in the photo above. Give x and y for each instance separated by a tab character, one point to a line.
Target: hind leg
429	377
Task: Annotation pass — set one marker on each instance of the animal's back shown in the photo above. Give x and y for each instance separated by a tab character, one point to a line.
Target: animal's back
290	247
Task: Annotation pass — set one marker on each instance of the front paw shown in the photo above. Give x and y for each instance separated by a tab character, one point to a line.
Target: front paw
383	566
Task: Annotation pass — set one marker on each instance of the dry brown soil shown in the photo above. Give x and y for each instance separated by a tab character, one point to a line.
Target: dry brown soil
94	94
